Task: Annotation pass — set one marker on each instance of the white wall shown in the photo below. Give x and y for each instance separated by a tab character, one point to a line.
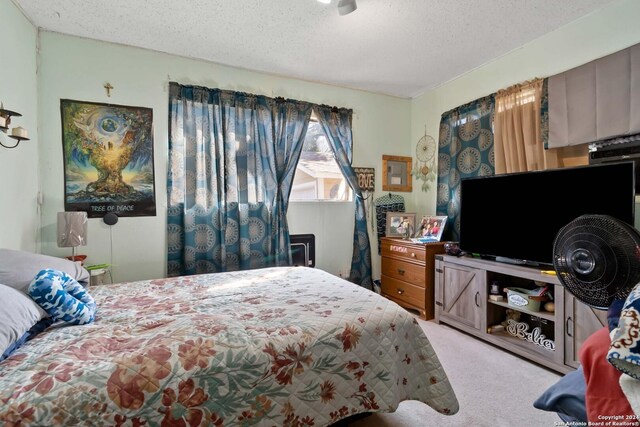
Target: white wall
598	34
18	166
76	68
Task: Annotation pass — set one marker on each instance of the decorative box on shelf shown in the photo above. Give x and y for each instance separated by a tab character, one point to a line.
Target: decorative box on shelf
524	298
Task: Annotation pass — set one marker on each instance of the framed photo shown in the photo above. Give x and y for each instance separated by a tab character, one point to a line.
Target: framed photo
400	224
431	228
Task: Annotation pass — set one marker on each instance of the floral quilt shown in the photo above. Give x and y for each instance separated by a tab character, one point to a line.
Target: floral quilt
288	346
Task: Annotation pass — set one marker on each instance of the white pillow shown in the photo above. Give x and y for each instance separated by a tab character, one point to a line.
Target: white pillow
19	268
18	314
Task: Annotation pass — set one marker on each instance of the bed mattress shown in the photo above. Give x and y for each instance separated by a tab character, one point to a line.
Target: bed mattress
274	346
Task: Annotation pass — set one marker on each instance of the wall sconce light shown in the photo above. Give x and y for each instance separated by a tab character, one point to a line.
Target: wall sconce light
17	133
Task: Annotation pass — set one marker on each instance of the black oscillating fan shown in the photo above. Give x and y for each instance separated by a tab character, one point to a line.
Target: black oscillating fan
597	259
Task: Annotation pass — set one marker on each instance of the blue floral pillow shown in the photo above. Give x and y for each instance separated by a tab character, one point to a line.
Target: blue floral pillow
62	297
624	351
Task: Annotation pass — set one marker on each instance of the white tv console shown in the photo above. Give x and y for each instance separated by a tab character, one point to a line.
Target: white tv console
462	289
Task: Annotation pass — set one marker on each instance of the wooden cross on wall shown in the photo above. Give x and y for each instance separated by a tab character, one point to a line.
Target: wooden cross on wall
108	87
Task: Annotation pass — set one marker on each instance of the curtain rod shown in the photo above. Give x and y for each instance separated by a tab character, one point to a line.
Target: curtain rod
334	109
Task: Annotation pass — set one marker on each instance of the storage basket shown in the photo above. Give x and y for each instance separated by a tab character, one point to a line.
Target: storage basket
520	298
97	277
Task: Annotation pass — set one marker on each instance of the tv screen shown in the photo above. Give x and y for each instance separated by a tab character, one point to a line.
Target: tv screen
516	216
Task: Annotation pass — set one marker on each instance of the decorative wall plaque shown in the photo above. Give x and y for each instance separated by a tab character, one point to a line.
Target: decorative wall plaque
520	330
366	178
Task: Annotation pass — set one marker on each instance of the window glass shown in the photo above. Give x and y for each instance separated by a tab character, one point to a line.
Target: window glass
318	176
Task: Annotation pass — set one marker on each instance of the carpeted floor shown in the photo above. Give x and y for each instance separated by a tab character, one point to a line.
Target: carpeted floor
494	388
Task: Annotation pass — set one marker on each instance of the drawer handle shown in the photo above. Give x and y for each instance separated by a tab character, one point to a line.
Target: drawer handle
476	298
401	272
400	291
566	326
413	255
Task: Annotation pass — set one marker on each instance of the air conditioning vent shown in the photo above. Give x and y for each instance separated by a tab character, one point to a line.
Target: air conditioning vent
303	249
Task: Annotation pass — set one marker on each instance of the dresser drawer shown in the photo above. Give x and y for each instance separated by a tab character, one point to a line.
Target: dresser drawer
405	271
403	291
402	250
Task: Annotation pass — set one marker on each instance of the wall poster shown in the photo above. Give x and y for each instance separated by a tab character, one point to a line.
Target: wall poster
108	159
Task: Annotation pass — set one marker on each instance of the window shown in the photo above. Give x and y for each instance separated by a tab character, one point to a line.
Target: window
318	176
526	95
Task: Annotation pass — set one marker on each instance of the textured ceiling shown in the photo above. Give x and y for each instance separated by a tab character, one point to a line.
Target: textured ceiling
395	47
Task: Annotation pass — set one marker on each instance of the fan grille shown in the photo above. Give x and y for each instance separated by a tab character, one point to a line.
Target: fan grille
597	259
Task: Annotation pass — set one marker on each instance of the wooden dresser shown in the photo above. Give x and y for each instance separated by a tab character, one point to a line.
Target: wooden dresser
408	271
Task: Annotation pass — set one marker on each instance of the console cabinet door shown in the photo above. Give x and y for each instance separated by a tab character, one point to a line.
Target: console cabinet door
580	322
461	297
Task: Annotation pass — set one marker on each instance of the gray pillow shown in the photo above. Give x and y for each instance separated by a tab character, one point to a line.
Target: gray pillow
567	398
18	314
19	268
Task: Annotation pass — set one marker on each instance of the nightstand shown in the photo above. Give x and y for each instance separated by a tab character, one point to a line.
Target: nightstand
408	273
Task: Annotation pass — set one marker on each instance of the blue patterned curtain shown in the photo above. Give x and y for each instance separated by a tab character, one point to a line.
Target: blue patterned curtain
336	123
465	149
544	114
232	157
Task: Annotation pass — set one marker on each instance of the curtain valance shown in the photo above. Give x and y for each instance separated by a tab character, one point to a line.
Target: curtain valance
597	100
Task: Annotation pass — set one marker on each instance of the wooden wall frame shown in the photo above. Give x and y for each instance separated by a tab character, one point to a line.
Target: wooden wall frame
396	173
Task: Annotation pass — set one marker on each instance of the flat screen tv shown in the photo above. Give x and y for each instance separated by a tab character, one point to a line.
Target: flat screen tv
515	217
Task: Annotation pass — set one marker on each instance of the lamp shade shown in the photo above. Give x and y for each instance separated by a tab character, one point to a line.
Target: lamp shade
72	229
346	6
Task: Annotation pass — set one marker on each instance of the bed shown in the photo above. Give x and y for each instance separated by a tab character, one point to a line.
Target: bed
275	346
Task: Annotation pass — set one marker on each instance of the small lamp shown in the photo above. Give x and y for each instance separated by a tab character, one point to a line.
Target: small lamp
72	230
345	7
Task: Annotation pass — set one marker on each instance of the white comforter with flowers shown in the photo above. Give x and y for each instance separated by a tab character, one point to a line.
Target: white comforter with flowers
276	346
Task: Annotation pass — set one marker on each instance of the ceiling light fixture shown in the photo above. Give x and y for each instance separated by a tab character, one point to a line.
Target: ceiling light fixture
345	7
325	1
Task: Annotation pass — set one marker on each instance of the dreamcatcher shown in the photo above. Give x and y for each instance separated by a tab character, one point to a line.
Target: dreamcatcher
424	169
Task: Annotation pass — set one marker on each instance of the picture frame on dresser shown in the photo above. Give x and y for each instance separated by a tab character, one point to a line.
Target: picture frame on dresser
400	224
430	228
